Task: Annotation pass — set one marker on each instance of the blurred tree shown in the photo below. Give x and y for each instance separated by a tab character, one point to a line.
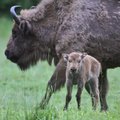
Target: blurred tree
6	4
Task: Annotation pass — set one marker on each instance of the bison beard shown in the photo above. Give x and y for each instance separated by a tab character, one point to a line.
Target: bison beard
29	59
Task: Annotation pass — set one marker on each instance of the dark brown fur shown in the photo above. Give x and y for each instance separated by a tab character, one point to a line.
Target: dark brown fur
82	70
64	26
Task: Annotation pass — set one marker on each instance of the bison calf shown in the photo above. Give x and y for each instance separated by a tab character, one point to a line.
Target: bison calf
83	70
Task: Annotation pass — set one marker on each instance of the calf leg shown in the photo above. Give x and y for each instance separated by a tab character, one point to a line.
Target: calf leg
78	96
87	87
94	92
55	83
68	96
103	88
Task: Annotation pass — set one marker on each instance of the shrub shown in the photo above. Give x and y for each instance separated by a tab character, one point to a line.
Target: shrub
6	4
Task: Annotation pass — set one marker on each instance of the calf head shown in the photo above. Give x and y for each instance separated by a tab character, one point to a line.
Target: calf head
74	61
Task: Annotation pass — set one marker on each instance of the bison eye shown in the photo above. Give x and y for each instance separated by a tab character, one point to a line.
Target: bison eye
14	33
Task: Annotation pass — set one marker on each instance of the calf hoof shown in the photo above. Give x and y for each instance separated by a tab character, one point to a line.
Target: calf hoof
104	110
79	108
94	108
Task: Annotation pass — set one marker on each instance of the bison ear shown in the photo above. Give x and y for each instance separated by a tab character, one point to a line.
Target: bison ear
25	27
65	57
83	55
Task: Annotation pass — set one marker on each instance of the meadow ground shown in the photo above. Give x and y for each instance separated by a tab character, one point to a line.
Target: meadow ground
21	92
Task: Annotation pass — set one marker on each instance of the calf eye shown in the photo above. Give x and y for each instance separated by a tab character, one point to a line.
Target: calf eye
78	61
70	61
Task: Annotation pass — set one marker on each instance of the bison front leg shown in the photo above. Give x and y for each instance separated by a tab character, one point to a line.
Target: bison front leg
103	88
47	96
55	83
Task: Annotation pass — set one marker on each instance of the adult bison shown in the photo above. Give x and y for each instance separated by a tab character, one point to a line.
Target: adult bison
55	27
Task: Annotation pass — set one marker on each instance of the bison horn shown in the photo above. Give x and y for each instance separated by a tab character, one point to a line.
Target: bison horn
33	7
13	13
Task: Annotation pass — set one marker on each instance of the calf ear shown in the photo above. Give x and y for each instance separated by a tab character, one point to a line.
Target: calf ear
65	57
25	27
83	55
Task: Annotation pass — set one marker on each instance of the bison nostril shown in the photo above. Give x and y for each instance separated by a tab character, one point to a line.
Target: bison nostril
7	53
73	70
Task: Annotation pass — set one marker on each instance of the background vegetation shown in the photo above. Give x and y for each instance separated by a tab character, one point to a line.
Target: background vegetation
21	92
6	4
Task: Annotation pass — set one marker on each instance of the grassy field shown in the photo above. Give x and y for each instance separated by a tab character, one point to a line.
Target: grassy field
21	92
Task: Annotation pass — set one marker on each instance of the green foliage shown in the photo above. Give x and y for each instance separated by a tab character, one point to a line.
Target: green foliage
21	92
6	4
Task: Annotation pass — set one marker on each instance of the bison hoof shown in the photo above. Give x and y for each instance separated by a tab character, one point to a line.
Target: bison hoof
42	105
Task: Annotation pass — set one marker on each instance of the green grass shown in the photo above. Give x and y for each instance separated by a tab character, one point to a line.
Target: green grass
21	92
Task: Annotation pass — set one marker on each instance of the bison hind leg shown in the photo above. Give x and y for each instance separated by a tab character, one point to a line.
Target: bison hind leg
103	88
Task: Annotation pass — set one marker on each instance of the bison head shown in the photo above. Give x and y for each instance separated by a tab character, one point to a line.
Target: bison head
22	47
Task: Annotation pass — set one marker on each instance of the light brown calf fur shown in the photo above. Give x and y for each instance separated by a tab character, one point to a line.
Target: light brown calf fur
83	70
